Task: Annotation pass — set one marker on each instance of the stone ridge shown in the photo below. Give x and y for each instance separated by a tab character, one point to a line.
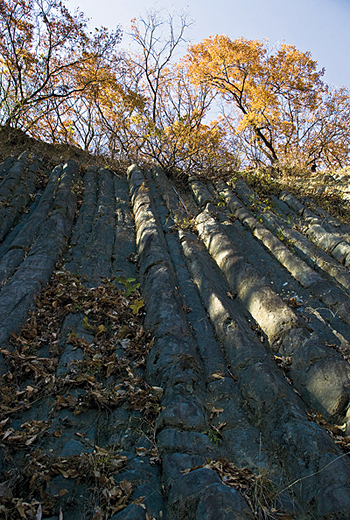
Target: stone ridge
248	306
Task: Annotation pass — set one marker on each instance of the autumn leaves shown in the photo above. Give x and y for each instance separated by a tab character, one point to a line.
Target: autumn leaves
275	102
62	83
50	64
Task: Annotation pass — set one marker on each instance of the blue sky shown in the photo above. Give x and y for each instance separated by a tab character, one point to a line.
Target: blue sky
319	26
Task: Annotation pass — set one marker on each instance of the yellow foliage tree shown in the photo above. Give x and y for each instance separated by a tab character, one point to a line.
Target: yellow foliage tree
47	58
62	83
168	125
281	106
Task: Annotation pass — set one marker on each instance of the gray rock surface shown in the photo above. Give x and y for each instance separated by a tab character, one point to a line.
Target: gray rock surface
250	334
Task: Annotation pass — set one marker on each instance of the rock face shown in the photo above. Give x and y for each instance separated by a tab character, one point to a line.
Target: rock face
248	306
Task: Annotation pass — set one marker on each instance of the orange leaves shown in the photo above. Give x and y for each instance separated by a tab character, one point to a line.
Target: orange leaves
65	85
272	99
225	64
49	60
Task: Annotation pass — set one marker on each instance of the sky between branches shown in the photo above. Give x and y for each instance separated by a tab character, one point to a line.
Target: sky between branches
319	26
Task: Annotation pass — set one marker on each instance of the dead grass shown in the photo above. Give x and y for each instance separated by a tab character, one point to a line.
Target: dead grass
304	185
14	142
258	489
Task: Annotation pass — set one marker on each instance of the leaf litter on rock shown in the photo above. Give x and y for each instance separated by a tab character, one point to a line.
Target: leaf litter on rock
258	490
110	319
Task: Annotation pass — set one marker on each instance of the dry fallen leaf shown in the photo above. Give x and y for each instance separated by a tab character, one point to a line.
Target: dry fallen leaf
140	452
31	440
98	514
215	411
186	471
5	491
20	509
126	486
39	513
8	433
218	375
139	502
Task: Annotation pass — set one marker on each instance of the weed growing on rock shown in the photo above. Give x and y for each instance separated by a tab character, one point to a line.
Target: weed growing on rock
258	490
336	431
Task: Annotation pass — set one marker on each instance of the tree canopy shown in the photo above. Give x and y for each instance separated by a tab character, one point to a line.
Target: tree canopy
62	83
276	101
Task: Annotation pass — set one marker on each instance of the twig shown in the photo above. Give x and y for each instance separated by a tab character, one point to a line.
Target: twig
182	202
313	474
